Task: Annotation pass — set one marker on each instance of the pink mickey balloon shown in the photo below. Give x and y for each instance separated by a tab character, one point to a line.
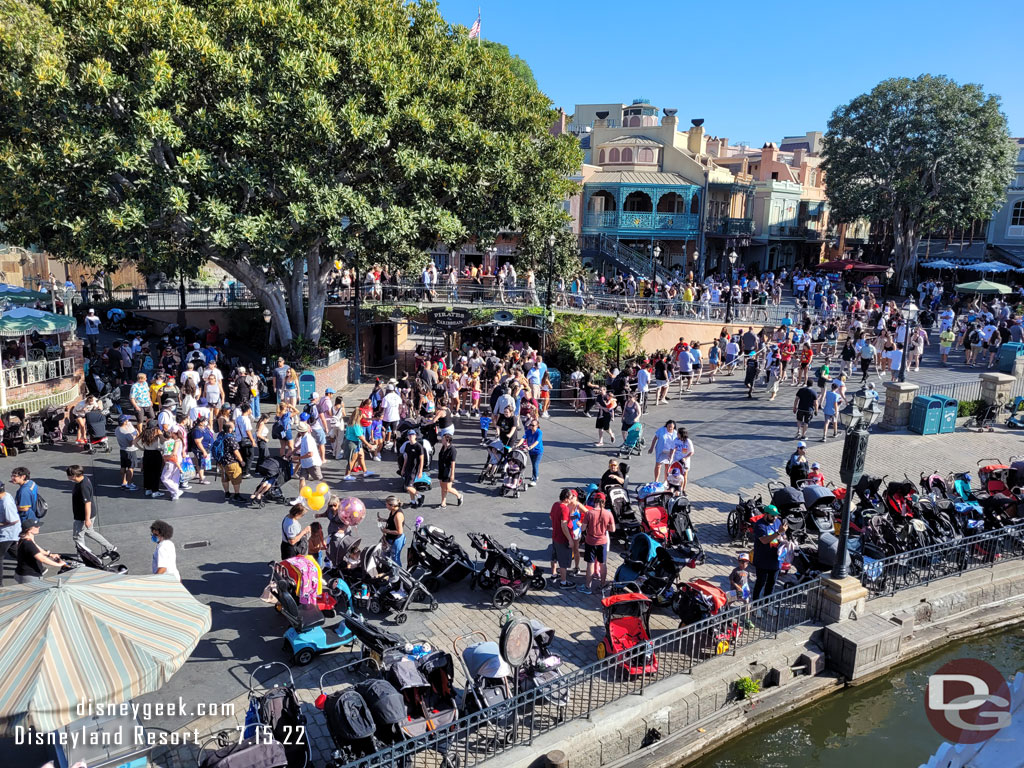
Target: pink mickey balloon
352	510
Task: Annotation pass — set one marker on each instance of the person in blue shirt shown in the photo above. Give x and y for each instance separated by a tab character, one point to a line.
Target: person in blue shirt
768	534
10	527
535	446
663	448
28	492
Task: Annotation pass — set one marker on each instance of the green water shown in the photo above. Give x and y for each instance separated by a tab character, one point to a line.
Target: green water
881	724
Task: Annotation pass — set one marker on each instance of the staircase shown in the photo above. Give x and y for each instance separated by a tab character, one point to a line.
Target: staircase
630	259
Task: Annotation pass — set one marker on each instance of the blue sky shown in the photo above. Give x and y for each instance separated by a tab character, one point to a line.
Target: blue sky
755	71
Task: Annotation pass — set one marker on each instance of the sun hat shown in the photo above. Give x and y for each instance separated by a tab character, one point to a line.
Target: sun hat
303	427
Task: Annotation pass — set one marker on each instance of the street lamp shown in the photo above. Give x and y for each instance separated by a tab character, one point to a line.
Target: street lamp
909	310
857	417
551	271
655	255
549	323
733	256
618	339
267	317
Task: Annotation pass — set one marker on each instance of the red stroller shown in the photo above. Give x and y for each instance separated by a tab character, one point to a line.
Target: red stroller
627	625
994	477
655	500
698	600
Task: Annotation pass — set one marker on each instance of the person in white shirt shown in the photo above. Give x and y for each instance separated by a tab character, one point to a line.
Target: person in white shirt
245	438
190	374
643	384
165	557
308	455
683	447
213	370
391	405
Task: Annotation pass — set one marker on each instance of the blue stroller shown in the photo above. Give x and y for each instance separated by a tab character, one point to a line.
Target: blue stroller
634	441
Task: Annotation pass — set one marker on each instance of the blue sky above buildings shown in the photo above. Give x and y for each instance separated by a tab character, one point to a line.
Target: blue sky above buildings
755	71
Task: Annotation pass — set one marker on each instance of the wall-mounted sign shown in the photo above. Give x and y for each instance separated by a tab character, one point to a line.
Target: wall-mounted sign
449	319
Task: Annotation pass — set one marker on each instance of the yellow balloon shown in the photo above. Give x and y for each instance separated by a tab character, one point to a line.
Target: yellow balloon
316	501
306	492
337	264
322	489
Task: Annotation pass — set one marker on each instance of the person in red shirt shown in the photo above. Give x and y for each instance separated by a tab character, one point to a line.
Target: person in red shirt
212	334
806	355
561	536
786	351
597	524
816	476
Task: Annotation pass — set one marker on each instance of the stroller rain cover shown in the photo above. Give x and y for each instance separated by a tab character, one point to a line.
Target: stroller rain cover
348	717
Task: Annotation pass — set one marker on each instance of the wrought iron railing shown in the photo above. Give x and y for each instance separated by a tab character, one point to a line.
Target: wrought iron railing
729	226
35	371
642	220
516	722
888	575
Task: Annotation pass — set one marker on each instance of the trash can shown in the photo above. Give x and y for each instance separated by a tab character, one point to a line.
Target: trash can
926	415
1008	353
950	406
556	386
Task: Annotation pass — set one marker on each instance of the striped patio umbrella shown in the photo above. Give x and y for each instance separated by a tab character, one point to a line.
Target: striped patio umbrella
90	635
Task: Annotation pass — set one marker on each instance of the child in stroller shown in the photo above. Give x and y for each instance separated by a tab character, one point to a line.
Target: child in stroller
391	587
275	471
506	570
634	441
513	480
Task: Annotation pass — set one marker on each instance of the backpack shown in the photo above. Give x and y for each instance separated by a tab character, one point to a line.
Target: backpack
278	431
41	506
218	452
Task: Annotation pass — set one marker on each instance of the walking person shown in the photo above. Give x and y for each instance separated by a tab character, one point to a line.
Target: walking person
867	359
394	529
535	447
446	456
605	408
768	533
83	509
10	527
149	440
561	536
833	403
172	452
230	464
125	435
662	446
805	406
683	452
597	523
307	454
294	535
630	414
32	559
140	399
165	557
412	466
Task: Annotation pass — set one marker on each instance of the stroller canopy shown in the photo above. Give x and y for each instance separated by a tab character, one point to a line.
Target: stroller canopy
787	498
385	703
348	716
817	494
484	660
542	634
642	548
650	489
405	674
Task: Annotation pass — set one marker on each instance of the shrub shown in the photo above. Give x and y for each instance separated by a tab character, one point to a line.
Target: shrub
969	407
747	687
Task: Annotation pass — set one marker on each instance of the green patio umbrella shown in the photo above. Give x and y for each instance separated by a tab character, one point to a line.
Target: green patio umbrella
90	636
21	321
982	286
15	294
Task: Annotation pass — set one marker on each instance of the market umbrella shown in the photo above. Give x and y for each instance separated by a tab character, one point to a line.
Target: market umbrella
850	265
18	295
982	286
22	321
938	264
90	635
987	266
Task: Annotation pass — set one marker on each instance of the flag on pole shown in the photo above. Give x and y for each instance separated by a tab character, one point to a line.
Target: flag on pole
474	31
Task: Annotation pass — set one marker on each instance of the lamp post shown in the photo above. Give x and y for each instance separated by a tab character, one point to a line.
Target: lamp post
618	339
655	255
909	310
858	417
549	323
551	272
728	288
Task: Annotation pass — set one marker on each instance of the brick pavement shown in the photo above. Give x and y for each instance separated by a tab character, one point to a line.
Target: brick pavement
740	446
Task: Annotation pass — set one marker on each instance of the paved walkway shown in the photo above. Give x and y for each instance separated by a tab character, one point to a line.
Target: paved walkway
224	549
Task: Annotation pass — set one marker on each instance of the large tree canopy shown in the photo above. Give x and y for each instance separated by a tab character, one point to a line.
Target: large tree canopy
269	136
921	153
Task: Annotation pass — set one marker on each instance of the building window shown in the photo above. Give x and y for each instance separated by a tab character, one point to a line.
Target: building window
613	156
601	158
637	201
601	201
646	156
1017	214
671	203
812	179
695	204
775	175
627	155
634	122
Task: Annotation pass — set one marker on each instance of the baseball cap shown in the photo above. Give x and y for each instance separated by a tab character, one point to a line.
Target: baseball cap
391	387
30	522
202	401
743	556
815	465
304	418
124	418
771	509
411	432
801	444
329	391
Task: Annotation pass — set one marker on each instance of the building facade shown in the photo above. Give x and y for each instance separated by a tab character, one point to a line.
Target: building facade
1005	235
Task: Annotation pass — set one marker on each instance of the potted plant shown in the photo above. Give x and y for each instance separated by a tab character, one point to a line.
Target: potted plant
747	687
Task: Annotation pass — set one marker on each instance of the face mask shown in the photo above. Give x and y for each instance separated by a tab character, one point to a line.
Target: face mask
155	538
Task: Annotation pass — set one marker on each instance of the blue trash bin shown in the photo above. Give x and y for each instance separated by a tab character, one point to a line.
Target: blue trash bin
1008	354
950	406
925	415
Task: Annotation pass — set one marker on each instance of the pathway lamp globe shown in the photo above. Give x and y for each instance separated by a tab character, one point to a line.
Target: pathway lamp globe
267	317
618	340
733	257
655	255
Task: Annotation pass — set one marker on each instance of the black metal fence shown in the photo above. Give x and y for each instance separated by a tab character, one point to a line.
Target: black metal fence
573	696
889	575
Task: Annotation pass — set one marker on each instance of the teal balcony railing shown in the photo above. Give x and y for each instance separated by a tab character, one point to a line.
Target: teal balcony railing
729	226
636	220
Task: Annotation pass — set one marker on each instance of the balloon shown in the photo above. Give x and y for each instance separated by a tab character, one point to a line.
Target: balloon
316	502
306	492
322	489
337	264
352	510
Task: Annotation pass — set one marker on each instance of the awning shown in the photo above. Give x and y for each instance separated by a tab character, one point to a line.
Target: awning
982	286
850	265
22	321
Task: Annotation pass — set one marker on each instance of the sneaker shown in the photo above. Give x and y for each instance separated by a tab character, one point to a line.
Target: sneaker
149	492
158	494
532	483
292	503
237	497
348	478
177	496
568	584
246	476
124	487
130	487
227	497
203	482
584	589
376	458
184	486
368	473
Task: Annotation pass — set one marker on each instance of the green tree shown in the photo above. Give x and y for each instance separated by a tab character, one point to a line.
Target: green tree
518	66
270	137
922	153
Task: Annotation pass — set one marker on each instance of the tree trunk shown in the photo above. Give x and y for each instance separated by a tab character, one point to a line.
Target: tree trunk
270	295
906	239
293	287
316	277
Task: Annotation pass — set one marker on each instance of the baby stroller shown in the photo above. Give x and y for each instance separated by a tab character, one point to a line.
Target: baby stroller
649	568
425	686
819	502
53	419
275	471
350	723
994	477
276	712
86	558
513	479
627	626
740	523
376	642
507	571
96	432
698	600
436	558
790	503
228	751
935	484
683	540
654	502
634	441
387	708
12	432
897	499
627	523
542	667
488	684
494	466
392	587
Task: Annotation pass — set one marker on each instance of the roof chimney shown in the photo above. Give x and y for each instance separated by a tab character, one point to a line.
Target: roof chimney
671	121
602	119
695	139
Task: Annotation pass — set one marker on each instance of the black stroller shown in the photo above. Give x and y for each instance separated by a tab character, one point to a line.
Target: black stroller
506	570
436	558
13	433
376	642
275	471
819	502
489	680
53	420
682	534
276	712
350	722
627	520
230	752
425	686
391	587
790	503
387	709
542	667
86	558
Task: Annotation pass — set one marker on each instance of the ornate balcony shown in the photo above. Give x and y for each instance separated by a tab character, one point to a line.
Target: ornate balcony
637	221
729	227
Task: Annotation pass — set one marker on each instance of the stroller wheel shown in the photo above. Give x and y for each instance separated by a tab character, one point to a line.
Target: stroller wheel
35	448
538	582
504	597
401	618
434	605
602	651
732	524
375	607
